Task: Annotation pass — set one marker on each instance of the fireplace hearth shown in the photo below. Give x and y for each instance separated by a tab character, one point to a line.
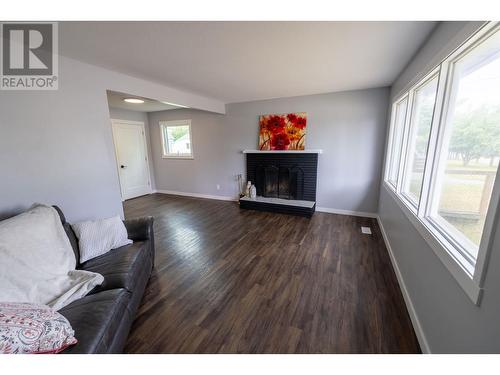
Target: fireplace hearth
285	181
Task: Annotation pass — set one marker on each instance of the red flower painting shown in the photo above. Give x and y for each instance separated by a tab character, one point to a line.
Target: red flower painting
280	141
282	132
275	124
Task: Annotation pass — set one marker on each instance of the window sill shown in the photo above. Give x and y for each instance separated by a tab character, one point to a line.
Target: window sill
447	256
177	157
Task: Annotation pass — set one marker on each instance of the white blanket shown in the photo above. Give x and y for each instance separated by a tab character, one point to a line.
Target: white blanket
37	263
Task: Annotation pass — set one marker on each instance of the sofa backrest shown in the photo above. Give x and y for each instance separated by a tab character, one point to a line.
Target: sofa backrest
71	235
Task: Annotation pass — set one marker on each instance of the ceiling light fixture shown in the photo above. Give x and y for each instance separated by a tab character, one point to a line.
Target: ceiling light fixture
133	100
176	105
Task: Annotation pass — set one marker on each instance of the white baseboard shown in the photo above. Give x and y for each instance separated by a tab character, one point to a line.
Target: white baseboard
197	195
346	212
424	345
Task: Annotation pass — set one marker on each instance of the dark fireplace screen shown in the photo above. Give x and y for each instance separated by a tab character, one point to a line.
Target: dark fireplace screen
280	182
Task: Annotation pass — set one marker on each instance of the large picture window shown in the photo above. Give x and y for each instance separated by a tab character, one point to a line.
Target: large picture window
469	155
445	138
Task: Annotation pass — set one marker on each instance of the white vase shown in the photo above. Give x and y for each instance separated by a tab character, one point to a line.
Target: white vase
253	192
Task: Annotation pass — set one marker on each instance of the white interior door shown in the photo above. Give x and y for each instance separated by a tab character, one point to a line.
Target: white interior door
132	158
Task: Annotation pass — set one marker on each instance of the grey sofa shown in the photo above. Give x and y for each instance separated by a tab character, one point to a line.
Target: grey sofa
103	318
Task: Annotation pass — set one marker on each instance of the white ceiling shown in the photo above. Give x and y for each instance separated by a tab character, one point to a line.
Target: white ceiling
115	100
243	61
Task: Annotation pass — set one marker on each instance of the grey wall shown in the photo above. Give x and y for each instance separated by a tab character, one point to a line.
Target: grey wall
211	164
123	114
348	126
450	322
56	146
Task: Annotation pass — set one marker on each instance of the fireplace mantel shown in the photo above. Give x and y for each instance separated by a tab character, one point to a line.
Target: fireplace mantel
282	152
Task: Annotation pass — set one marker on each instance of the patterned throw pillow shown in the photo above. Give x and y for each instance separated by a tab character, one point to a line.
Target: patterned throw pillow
30	328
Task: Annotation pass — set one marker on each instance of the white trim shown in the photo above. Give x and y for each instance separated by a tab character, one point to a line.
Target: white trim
282	151
146	151
434	142
197	195
187	157
390	141
346	212
422	340
411	141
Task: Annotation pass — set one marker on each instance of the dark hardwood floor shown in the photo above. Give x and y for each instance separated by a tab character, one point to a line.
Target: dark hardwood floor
235	281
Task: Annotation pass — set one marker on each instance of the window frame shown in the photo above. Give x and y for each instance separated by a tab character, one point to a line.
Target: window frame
392	133
468	272
164	143
406	168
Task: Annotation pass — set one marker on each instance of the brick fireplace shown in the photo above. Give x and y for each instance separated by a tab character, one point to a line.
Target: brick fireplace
285	181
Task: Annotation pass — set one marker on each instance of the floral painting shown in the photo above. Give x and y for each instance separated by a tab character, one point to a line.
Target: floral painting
283	132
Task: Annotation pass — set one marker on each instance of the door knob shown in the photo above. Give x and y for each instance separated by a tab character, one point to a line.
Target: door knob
123	166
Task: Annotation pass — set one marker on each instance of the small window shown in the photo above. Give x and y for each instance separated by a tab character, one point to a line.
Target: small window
422	108
470	153
176	139
395	143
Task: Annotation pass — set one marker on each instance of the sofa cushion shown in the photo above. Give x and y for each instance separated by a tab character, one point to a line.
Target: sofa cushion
96	320
121	267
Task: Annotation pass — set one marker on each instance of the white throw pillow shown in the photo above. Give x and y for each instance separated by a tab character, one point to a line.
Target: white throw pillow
98	237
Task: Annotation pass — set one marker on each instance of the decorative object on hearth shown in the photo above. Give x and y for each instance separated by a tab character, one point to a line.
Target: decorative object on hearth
241	191
253	192
282	132
247	191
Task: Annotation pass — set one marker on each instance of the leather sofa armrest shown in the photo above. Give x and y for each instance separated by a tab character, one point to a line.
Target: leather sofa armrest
140	229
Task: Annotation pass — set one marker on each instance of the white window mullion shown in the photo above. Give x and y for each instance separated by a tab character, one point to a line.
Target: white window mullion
423	99
398	118
405	165
433	148
404	143
435	183
390	145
